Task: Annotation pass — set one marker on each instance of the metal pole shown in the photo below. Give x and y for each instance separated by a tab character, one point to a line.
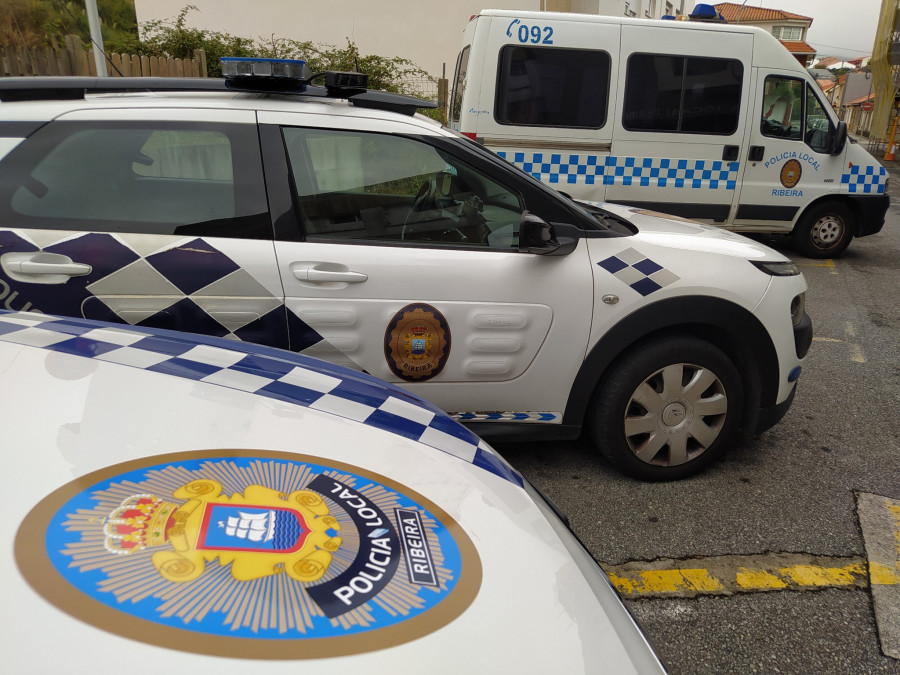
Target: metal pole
96	37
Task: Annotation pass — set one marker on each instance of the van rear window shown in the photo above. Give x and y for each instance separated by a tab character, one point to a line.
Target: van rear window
550	87
682	94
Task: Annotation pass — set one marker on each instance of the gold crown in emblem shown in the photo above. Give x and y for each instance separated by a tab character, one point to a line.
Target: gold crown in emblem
139	522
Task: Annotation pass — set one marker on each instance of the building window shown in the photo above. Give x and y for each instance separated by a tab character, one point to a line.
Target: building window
788	32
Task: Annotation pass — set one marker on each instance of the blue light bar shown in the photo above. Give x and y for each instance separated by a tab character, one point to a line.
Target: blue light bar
233	66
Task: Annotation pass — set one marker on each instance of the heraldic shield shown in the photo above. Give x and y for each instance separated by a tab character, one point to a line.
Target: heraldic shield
259	533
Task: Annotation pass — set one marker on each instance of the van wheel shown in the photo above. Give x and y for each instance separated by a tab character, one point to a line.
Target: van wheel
668	409
824	231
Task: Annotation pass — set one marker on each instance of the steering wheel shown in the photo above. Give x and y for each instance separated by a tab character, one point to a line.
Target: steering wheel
426	200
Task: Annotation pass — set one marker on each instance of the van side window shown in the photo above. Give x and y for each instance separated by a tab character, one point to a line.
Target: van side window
359	187
818	126
550	87
782	108
459	85
682	94
141	177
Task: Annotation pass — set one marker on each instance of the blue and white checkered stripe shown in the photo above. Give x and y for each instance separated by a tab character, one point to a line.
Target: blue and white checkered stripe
868	180
259	370
692	174
637	271
508	417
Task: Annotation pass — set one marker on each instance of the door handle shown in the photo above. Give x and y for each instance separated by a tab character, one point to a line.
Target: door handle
327	272
730	152
42	268
756	153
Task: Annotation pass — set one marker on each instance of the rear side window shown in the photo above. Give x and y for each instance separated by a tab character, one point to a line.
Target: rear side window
682	94
550	87
459	85
154	178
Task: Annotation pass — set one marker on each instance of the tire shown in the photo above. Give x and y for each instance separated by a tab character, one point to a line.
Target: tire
824	231
656	430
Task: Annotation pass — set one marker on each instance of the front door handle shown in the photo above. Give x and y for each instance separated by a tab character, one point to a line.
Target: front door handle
327	272
42	268
756	153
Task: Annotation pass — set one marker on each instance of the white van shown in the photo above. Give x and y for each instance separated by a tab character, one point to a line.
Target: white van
712	122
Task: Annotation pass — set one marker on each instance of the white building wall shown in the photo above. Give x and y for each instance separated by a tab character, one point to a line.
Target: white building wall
427	32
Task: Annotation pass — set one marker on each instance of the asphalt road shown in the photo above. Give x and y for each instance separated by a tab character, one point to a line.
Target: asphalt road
791	493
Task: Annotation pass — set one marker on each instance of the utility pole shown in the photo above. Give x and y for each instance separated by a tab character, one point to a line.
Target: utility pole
96	36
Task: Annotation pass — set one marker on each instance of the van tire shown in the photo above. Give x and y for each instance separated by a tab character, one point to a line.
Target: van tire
824	231
687	427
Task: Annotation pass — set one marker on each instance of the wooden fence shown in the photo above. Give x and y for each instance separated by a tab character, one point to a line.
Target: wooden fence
75	60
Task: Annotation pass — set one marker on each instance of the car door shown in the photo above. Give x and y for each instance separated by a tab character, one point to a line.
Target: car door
145	217
680	121
410	268
789	162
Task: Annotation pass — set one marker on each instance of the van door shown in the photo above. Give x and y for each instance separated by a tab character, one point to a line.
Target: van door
680	120
542	101
788	162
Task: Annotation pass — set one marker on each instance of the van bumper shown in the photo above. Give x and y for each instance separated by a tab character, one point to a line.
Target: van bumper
870	211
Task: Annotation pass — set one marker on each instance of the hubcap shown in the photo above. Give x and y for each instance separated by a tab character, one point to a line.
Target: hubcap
827	231
676	414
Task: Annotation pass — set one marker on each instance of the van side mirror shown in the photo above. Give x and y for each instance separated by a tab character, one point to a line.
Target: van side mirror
838	139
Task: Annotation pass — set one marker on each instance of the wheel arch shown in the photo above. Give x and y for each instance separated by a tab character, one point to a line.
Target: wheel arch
728	326
848	201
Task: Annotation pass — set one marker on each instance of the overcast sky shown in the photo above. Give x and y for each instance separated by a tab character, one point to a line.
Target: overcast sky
839	27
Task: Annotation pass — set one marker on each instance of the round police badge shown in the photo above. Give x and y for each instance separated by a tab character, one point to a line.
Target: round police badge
250	554
417	343
790	173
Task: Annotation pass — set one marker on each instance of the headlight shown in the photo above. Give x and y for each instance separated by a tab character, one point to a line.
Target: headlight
777	269
798	308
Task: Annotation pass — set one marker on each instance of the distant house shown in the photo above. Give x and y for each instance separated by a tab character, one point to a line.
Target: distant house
789	28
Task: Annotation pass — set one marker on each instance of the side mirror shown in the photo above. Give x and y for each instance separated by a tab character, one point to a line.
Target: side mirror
536	235
839	139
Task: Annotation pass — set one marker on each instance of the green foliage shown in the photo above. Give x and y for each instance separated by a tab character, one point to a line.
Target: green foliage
41	23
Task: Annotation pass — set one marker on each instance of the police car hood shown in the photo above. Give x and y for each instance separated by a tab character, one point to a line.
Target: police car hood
675	232
179	505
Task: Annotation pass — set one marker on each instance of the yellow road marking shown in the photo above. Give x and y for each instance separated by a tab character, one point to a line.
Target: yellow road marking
727	575
829	263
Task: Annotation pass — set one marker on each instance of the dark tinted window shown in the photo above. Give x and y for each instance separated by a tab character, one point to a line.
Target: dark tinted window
692	95
544	86
155	178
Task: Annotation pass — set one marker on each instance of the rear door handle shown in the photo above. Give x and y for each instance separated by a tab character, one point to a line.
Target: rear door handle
42	268
730	152
326	272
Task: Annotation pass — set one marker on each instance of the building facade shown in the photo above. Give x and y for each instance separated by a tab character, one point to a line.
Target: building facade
789	28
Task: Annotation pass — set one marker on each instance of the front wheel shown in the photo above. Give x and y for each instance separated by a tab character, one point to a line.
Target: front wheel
668	409
824	231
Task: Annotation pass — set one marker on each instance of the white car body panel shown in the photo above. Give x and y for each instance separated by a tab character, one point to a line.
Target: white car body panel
87	403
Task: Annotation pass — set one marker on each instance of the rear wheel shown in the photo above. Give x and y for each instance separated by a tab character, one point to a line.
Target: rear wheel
824	231
668	409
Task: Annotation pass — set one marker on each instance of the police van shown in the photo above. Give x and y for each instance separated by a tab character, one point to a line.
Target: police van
333	221
711	122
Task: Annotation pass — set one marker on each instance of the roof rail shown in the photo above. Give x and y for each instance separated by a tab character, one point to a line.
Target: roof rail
73	88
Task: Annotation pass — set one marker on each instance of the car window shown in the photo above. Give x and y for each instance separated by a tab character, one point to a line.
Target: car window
138	177
547	86
361	186
682	94
818	126
782	108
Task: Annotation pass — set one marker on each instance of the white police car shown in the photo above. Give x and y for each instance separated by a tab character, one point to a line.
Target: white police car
177	503
331	221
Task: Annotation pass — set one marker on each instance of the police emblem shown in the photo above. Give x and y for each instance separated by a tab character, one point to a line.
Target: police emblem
298	559
790	173
417	343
